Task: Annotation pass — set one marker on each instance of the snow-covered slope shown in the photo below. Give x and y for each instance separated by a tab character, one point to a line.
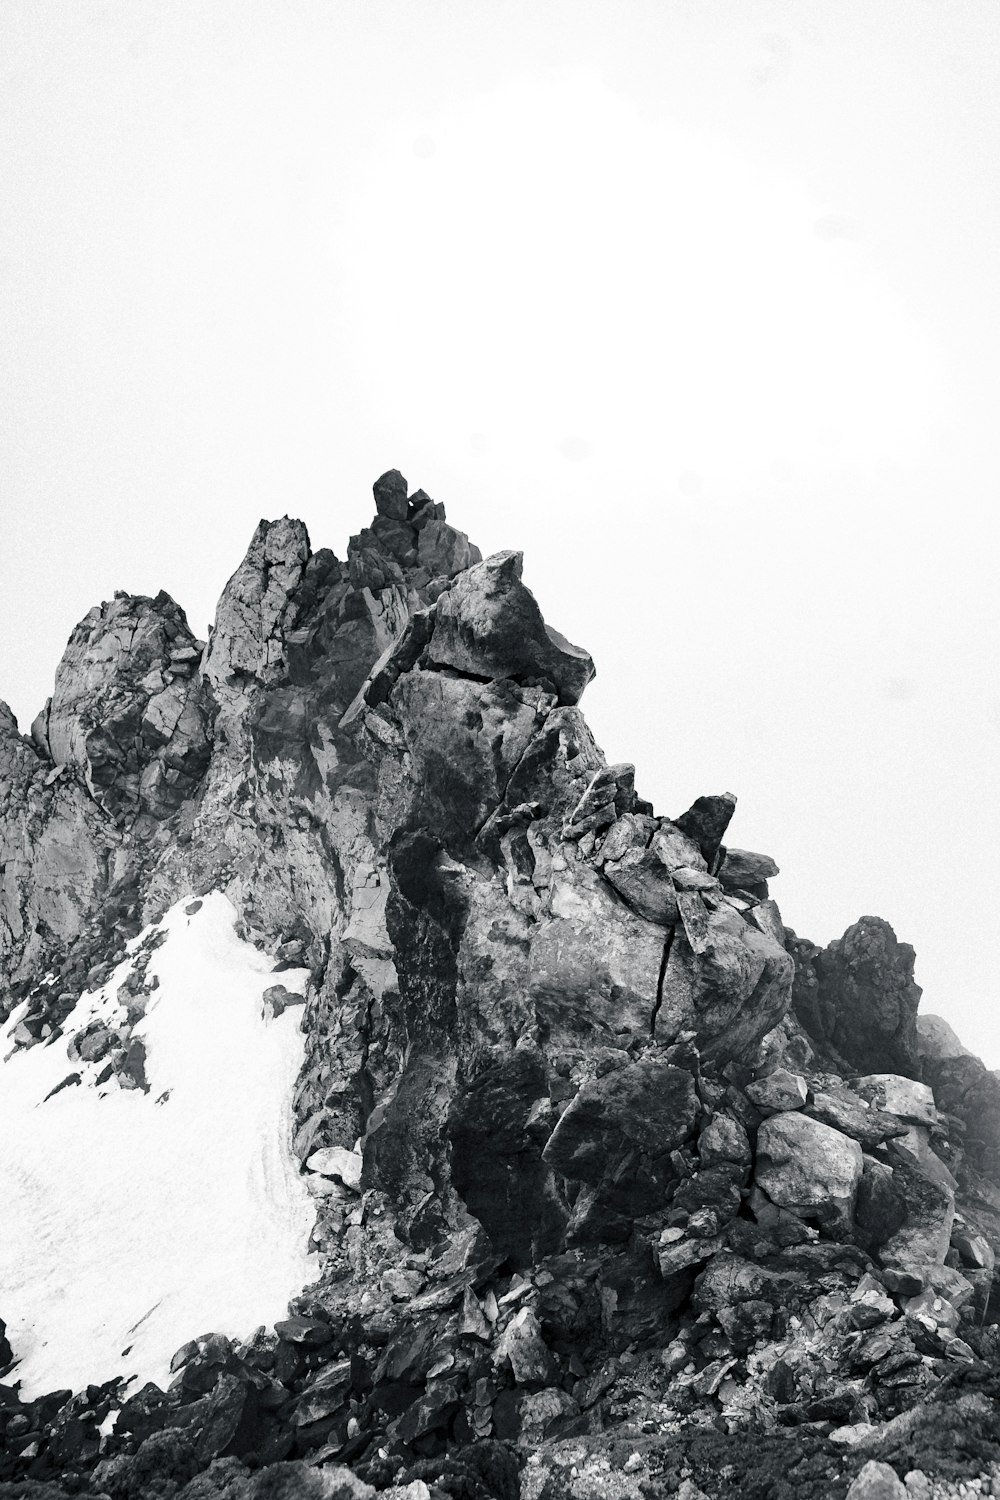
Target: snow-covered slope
131	1219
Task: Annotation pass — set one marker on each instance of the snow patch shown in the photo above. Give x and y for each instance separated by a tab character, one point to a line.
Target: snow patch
131	1221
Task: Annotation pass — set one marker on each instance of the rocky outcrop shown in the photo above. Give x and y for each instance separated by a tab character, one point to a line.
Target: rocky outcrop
127	712
858	1000
596	1146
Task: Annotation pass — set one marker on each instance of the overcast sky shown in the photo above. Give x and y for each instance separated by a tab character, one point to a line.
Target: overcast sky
696	303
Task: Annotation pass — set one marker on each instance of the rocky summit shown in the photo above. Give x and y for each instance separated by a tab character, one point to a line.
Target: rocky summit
616	1185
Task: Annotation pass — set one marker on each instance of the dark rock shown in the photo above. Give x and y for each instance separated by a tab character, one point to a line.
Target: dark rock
310	1331
740	869
862	1000
706	821
390	495
231	1426
488	625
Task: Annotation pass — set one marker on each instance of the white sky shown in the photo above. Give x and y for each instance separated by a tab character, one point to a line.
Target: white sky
696	303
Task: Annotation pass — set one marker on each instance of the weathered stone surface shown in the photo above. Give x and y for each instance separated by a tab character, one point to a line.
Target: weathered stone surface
724	1139
706	821
846	1111
258	608
650	1106
390	495
808	1168
925	1234
126	713
334	1161
778	1091
877	1481
936	1040
642	879
731	993
909	1101
858	996
489	625
880	1210
742	869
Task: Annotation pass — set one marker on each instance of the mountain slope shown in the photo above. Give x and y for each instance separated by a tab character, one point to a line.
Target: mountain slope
589	1147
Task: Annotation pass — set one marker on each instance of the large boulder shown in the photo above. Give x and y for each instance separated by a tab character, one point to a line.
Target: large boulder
259	606
731	985
858	997
489	625
808	1168
127	711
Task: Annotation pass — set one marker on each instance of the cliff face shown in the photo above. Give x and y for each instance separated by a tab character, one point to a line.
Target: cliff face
574	1102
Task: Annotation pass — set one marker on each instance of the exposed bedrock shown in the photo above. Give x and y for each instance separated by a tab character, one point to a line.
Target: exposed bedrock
573	1096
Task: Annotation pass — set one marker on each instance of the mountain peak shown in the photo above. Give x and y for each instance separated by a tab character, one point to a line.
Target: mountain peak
565	1124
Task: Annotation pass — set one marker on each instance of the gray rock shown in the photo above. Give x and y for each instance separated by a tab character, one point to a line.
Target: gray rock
858	997
390	495
706	821
336	1161
741	868
808	1168
641	878
779	1091
937	1040
877	1481
925	1235
489	625
724	1139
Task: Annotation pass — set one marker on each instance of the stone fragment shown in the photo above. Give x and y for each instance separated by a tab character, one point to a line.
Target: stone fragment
695	919
880	1209
522	1344
902	1283
905	1098
767	916
924	1237
877	1481
338	1162
974	1249
277	999
724	1139
232	1421
134	747
297	1330
740	868
730	994
630	831
674	1256
808	1168
706	821
779	1091
840	1107
676	850
257	610
489	625
859	997
390	495
730	1279
641	878
649	1106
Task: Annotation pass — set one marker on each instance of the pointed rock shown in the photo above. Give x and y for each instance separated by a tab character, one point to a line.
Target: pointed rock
706	821
390	495
489	626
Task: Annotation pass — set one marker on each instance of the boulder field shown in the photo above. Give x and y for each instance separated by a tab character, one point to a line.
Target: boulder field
620	1186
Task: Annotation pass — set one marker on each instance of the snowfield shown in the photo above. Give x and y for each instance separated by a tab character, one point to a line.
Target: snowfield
131	1222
